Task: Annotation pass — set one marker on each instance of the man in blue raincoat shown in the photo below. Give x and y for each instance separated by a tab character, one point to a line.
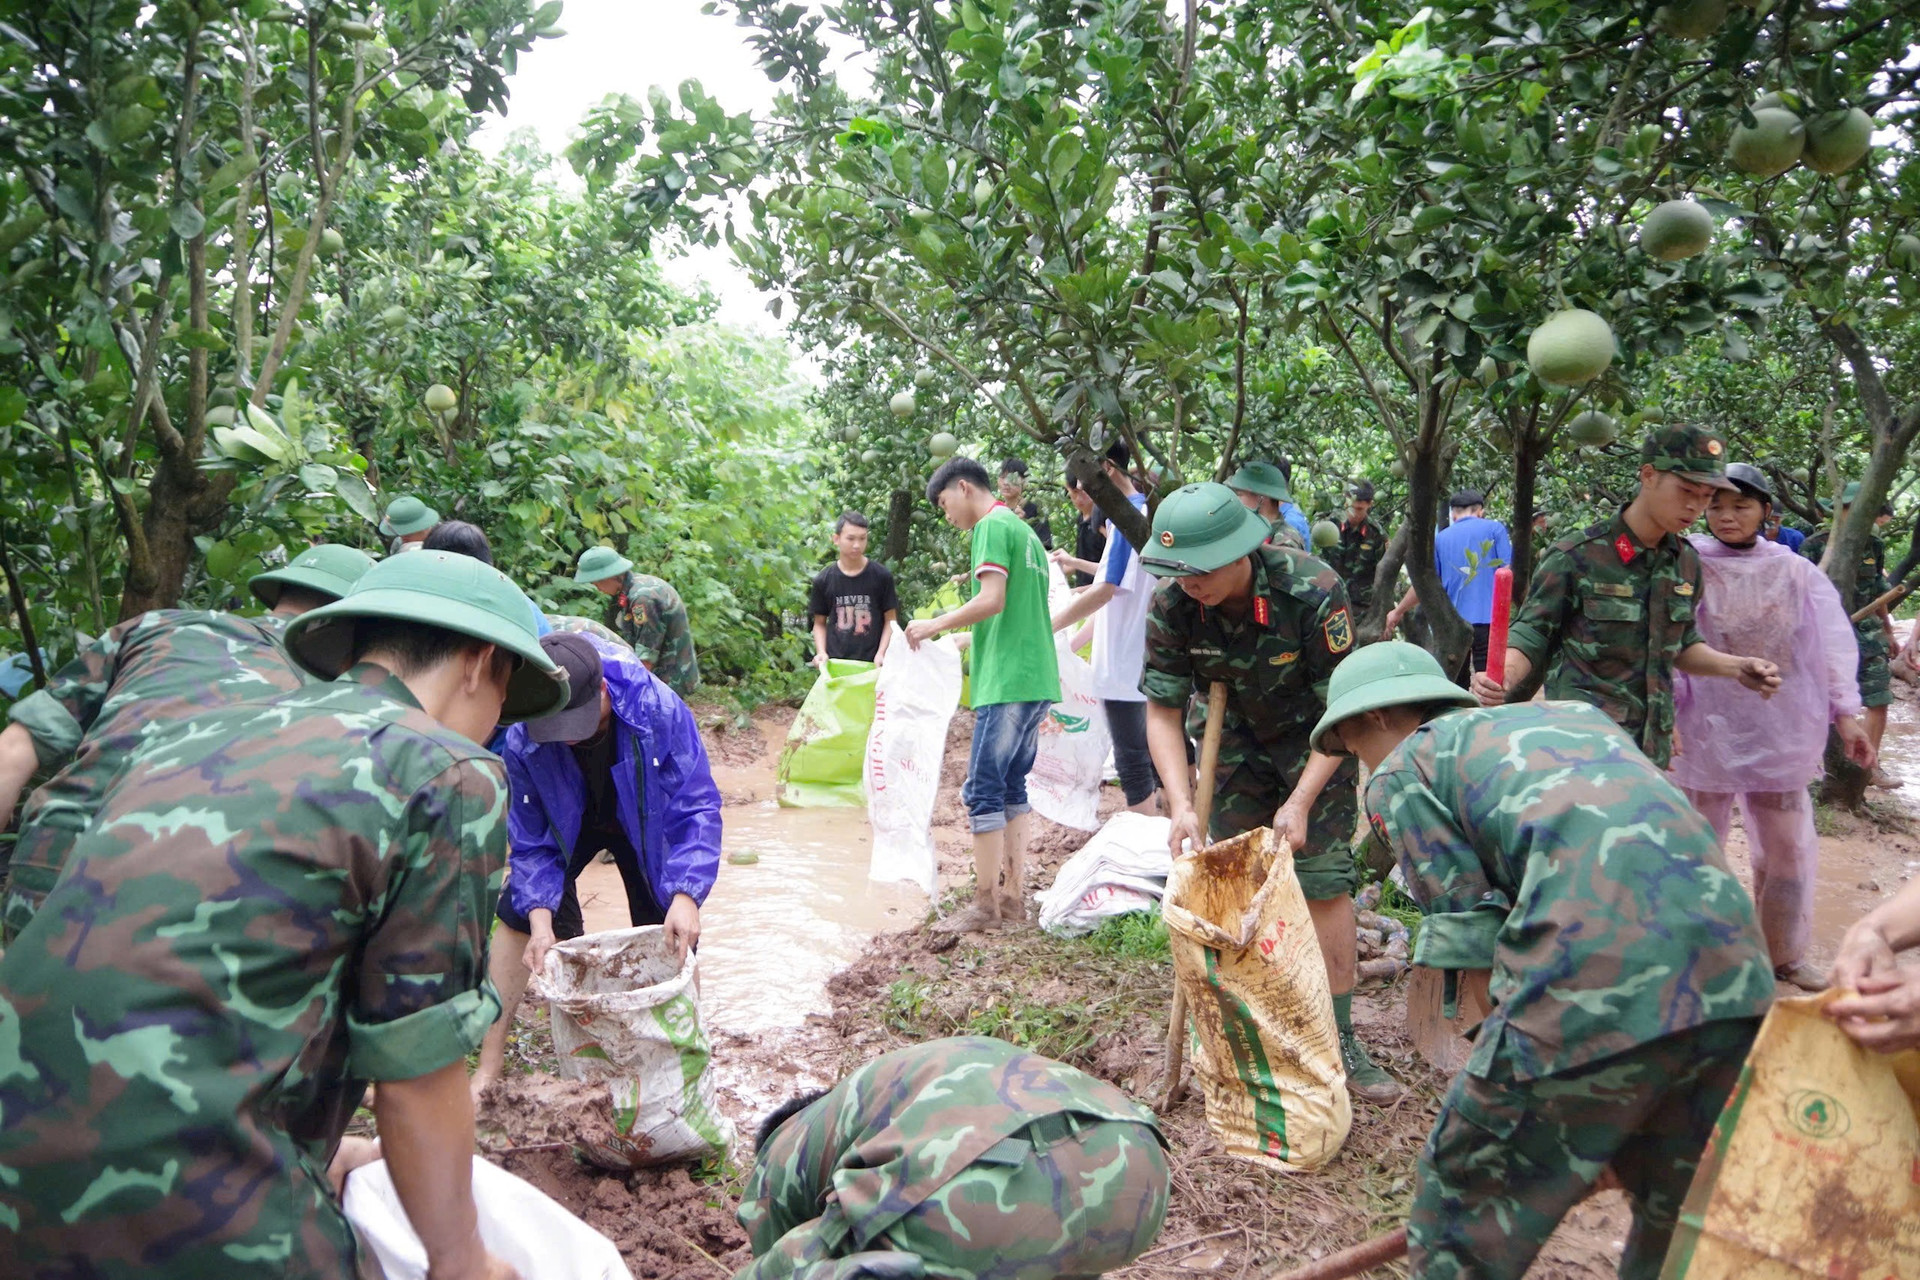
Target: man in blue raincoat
620	768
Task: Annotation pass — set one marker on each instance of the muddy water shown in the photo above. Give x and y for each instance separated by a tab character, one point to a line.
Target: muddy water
774	931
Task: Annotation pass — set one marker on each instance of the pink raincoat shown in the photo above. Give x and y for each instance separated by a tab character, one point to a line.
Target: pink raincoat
1764	602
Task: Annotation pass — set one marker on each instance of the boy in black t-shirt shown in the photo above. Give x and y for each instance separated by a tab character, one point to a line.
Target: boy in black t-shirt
853	599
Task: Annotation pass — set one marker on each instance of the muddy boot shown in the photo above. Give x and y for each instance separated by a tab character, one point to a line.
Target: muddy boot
989	852
1364	1079
1802	975
1010	893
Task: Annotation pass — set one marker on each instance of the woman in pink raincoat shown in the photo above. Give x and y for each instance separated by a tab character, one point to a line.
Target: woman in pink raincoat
1758	597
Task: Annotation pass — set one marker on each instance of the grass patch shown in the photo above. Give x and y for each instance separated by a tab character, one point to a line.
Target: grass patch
1137	935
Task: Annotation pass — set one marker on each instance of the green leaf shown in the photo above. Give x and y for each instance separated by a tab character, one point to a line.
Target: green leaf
186	221
13	405
318	475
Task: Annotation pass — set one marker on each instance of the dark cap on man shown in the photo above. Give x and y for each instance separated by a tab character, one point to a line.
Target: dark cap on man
1465	498
1361	491
579	719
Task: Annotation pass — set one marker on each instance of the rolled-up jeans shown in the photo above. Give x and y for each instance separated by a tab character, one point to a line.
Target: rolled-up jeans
1006	736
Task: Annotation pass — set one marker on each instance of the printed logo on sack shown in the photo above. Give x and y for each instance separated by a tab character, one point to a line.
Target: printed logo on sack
1817	1114
1069	724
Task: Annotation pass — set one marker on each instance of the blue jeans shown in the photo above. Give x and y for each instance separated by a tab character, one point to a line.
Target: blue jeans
1006	736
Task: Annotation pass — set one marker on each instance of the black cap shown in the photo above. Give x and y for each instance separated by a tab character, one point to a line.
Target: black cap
1467	498
579	719
1361	490
1750	480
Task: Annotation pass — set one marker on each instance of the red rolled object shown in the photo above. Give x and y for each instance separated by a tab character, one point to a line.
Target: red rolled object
1497	633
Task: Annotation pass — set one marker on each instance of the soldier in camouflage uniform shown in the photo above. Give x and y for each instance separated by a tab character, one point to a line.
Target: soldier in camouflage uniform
1356	558
282	901
964	1158
140	679
1875	631
648	614
1610	609
1272	623
1628	973
1263	488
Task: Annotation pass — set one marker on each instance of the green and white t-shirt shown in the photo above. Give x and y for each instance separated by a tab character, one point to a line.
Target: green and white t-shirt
1013	656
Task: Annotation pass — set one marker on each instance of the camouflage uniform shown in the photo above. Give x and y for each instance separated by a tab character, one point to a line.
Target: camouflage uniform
1357	558
1276	662
278	903
650	617
1285	535
970	1156
1869	584
1628	975
1611	615
586	626
138	680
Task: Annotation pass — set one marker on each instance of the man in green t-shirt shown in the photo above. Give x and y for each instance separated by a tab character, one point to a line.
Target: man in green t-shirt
1016	677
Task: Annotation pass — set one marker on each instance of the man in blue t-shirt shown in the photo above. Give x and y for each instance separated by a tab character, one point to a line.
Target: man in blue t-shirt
1466	553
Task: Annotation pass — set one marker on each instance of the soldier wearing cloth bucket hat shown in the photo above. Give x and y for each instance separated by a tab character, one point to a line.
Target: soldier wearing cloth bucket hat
1628	973
648	614
408	521
1263	488
1272	624
139	681
1609	613
270	911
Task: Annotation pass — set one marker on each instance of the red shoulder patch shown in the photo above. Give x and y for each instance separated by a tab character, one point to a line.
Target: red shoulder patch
1624	546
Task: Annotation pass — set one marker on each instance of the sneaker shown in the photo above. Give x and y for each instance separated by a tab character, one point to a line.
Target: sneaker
1802	975
1364	1079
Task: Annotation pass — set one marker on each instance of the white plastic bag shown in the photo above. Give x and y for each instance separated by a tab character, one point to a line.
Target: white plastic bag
913	704
1123	868
519	1223
1072	758
626	1013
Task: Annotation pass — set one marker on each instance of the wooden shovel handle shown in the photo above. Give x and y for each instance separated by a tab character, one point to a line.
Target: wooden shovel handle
1364	1256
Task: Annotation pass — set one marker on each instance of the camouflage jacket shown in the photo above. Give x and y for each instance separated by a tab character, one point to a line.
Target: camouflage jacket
1606	617
138	680
649	616
1540	844
1282	534
1357	558
277	903
836	1175
1276	660
1869	580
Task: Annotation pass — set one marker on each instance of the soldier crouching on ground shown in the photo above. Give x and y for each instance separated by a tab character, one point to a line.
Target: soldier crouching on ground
277	903
964	1158
1628	976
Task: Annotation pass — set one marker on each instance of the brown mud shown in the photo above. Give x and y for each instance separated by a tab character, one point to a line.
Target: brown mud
1104	1014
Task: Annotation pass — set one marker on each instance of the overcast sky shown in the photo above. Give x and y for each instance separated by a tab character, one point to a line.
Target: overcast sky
623	46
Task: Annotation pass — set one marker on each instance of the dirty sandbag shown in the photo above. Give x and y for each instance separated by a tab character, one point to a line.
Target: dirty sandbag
626	1014
826	747
1814	1166
1123	868
519	1224
1070	761
913	704
1266	1051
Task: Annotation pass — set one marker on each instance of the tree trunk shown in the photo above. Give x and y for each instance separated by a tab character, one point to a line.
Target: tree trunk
1845	786
1133	524
1450	638
1386	578
899	528
19	597
1526	475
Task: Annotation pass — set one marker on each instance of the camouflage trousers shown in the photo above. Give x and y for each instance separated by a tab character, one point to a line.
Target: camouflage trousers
1506	1159
1068	1196
1253	781
1876	667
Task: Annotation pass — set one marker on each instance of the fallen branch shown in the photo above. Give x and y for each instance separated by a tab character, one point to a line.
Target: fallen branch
1188	1244
531	1146
725	1270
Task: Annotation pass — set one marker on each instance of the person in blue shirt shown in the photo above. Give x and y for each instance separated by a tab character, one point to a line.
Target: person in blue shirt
1466	553
1784	534
1265	487
620	768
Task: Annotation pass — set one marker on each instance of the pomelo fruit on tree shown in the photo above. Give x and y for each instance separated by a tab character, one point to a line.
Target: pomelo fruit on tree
1780	98
440	398
1771	146
850	433
331	242
1593	429
902	404
1691	19
1570	347
871	455
1838	140
1675	230
1325	534
1904	253
1397	469
942	444
923	378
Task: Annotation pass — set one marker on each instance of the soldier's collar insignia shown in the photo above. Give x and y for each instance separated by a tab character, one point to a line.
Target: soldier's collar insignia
1283	659
1380	828
1683	588
1166	537
1262	611
1624	546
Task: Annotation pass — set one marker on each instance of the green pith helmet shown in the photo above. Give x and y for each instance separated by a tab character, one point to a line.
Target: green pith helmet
601	563
445	590
1850	494
329	569
1200	528
1391	673
407	515
1690	452
1262	478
